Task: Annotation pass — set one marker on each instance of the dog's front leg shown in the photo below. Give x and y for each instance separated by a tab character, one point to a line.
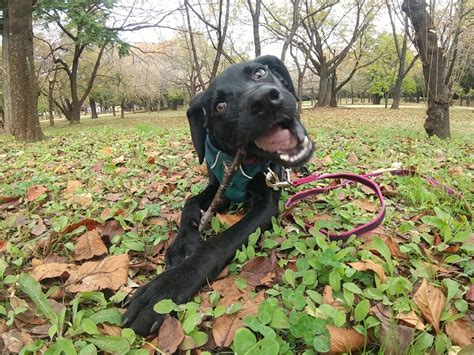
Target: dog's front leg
204	265
188	238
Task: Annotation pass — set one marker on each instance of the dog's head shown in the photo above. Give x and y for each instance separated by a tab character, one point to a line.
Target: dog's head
251	104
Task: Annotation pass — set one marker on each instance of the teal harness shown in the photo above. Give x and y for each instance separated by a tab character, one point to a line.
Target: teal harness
237	190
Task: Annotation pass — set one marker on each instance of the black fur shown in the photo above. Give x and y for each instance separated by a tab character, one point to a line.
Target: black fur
255	104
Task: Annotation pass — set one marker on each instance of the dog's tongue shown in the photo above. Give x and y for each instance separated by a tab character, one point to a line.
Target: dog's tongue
277	139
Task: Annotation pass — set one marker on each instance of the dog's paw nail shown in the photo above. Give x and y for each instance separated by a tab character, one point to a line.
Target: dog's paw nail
125	321
154	327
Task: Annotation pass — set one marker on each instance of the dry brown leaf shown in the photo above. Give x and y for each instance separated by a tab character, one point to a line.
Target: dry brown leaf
469	294
228	219
171	334
368	264
259	271
109	273
114	197
188	343
460	331
224	328
14	340
7	203
3	246
366	205
430	300
107	151
110	228
329	299
108	329
52	270
411	319
345	339
72	187
389	241
35	191
395	338
227	289
39	228
119	160
89	245
89	223
352	158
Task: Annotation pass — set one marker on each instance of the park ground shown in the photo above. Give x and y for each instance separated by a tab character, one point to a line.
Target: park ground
87	215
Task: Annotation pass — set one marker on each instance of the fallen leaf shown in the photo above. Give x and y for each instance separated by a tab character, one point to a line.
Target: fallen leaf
108	329
39	228
456	171
52	270
411	319
395	338
14	340
370	265
227	289
72	187
89	223
366	205
345	339
119	160
259	271
114	197
151	160
430	300
224	328
329	299
460	331
352	158
188	343
89	245
109	273
228	219
469	294
110	229
7	202
107	151
171	334
3	246
35	191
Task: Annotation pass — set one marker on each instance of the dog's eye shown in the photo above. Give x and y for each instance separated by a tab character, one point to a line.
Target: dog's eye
221	106
259	74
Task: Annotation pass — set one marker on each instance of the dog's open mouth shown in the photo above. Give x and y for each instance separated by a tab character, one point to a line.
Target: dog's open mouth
283	143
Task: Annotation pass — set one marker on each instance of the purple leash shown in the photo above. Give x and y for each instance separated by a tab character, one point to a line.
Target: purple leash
348	179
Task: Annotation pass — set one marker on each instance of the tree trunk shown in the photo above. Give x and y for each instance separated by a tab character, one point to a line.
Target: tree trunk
434	68
396	93
75	113
113	110
122	109
333	99
324	96
93	105
7	105
23	120
255	13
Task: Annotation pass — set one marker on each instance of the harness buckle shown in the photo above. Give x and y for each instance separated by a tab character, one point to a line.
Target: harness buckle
274	181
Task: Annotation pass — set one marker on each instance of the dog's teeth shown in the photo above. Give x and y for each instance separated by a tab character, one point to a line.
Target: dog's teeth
305	140
284	157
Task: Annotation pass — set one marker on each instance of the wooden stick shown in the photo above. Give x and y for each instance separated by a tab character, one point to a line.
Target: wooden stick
229	172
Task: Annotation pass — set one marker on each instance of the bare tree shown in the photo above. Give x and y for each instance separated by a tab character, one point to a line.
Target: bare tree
401	49
255	13
216	30
438	55
20	86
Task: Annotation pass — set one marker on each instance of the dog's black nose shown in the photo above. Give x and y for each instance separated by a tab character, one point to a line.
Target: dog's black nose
265	99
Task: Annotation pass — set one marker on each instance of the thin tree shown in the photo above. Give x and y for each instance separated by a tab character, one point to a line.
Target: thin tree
20	86
439	56
402	51
255	13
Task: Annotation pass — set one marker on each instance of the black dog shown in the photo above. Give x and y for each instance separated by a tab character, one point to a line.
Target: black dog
251	104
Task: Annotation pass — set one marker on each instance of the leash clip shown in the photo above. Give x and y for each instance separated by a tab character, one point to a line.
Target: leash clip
274	181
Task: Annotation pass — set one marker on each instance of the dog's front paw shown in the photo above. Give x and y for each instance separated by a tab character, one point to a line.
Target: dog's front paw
181	249
179	285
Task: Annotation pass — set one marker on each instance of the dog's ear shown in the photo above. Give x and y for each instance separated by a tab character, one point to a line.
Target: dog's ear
197	123
279	71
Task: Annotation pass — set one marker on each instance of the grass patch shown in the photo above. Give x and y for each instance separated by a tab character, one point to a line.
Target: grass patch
123	182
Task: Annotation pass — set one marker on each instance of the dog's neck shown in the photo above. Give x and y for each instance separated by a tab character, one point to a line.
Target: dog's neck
237	190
